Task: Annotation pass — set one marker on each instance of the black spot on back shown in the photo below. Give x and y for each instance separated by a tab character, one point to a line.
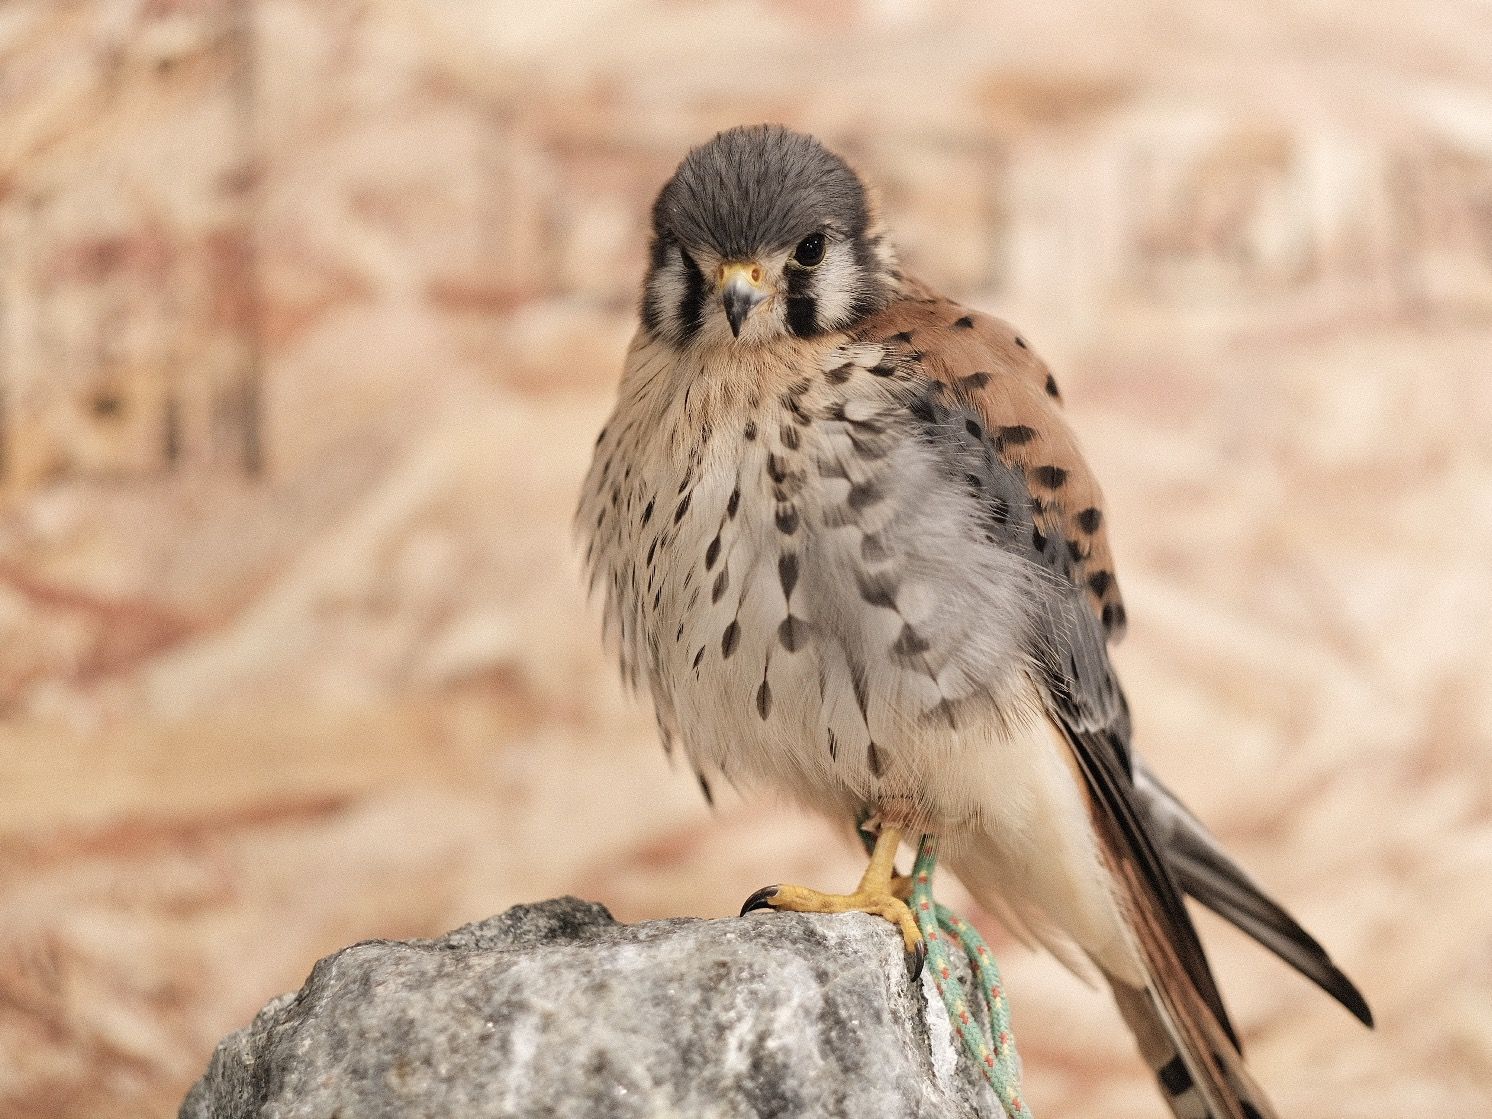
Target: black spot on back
922	408
1053	477
1014	435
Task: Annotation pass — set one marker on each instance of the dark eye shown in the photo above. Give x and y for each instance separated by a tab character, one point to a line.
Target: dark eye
810	250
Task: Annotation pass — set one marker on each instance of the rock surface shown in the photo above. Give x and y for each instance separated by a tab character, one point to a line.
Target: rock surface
556	1010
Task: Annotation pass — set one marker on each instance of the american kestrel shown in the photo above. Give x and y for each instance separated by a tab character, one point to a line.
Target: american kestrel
851	548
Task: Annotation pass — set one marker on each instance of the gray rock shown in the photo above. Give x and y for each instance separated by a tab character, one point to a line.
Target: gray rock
556	1010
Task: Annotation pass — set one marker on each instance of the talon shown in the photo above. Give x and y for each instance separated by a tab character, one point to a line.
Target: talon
916	958
881	893
762	899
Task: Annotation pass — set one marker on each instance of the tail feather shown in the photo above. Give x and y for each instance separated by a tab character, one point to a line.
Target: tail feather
1216	1084
1187	1096
1159	1052
1172	1002
1206	872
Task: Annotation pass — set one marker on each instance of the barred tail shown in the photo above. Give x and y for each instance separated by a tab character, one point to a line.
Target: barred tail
1221	1086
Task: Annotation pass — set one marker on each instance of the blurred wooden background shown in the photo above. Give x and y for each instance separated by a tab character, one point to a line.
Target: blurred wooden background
310	310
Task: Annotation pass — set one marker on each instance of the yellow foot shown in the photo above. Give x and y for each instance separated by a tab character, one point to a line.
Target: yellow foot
800	899
880	893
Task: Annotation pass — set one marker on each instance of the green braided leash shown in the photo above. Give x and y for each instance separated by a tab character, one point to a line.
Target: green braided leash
987	1038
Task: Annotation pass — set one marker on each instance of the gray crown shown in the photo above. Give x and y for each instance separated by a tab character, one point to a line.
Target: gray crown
758	188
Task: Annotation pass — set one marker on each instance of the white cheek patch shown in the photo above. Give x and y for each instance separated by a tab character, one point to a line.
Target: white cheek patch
835	284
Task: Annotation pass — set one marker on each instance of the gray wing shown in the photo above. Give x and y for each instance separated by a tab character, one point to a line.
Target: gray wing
1175	851
1070	656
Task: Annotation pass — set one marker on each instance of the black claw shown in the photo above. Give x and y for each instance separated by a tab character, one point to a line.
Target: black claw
915	959
762	899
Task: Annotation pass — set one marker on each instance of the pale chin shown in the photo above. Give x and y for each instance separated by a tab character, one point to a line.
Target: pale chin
763	325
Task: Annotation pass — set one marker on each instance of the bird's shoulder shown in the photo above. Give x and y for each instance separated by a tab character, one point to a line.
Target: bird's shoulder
976	360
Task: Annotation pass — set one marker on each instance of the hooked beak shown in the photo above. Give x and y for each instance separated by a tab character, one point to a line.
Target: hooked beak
741	289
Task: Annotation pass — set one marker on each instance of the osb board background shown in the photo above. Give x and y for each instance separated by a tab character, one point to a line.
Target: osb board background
310	309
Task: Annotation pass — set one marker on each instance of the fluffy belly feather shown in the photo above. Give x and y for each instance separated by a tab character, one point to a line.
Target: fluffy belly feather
815	608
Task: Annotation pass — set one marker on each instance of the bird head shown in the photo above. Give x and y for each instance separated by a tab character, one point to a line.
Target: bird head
763	232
